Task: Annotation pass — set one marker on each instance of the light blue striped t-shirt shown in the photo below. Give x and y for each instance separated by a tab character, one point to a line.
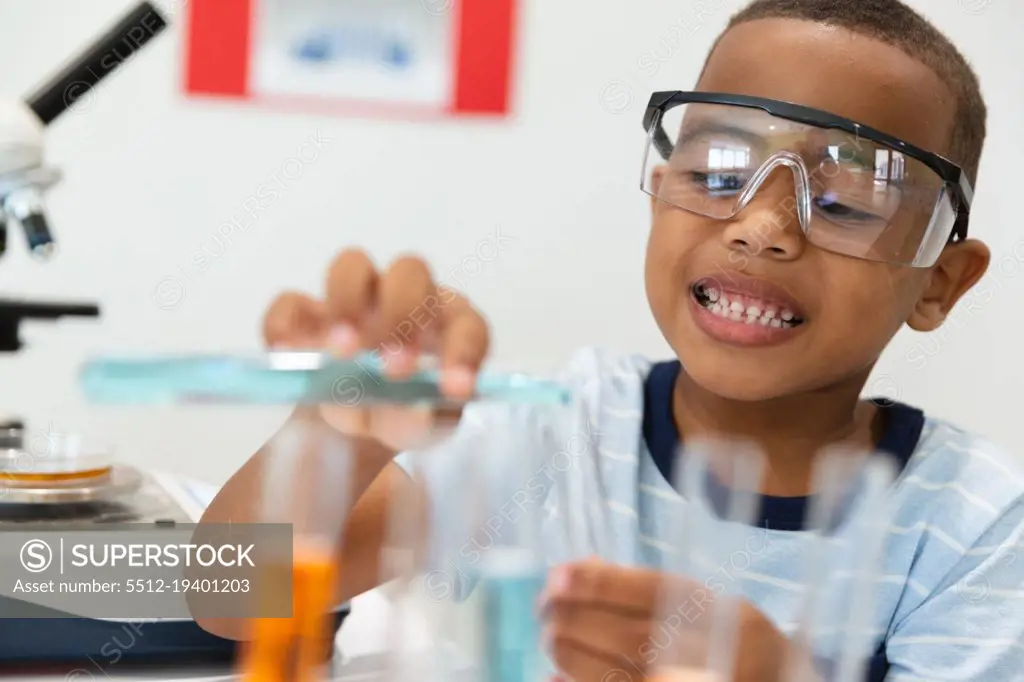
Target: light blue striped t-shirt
949	603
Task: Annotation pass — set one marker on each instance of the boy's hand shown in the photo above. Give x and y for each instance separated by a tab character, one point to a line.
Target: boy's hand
399	313
607	623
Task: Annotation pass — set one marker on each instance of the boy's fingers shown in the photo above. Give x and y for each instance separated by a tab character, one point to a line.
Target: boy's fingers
601	630
580	662
606	585
405	291
295	320
351	293
465	342
403	313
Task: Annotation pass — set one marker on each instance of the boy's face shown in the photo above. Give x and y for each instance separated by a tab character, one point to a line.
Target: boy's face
850	308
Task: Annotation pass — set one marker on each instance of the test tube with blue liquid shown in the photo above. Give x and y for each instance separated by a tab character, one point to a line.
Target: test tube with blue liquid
511	585
473	550
512	567
514	571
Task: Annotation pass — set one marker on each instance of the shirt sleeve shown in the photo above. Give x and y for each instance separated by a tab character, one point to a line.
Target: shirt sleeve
972	628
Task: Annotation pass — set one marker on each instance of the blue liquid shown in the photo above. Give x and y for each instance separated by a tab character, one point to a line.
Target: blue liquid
512	648
288	378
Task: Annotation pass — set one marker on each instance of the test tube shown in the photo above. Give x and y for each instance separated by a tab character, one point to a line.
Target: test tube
848	522
511	568
867	544
696	630
408	656
484	543
418	560
306	483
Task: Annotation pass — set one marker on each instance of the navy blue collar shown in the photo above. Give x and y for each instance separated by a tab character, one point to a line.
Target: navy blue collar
903	425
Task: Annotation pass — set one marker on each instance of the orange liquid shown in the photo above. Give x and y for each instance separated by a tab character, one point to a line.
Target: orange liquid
312	623
67	476
294	649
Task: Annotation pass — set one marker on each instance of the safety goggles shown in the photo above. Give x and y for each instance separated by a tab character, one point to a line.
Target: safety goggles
859	192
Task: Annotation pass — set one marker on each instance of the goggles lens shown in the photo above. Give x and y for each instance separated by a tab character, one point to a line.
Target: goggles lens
853	196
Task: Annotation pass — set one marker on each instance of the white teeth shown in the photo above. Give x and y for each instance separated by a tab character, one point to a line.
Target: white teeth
719	304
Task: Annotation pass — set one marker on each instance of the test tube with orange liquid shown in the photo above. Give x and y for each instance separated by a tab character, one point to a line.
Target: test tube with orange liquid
306	483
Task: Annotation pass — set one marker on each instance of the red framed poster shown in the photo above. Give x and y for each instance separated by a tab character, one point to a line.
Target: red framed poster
403	57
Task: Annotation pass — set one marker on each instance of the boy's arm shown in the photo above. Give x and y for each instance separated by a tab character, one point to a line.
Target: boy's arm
972	630
375	481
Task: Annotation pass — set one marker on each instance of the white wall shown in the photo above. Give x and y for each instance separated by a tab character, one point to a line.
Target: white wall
151	175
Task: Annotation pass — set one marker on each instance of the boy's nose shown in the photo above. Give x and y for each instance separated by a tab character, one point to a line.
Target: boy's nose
769	224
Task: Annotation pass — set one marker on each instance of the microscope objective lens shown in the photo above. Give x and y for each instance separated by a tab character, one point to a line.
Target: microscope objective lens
37	234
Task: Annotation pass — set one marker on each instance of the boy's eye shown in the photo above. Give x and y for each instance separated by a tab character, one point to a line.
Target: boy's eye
831	207
717	182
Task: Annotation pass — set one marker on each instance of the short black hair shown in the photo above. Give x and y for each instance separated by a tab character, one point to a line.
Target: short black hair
893	22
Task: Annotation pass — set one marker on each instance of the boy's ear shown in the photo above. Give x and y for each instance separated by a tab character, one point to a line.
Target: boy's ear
959	268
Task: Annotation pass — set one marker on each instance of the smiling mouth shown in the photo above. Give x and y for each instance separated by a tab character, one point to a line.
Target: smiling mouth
744	308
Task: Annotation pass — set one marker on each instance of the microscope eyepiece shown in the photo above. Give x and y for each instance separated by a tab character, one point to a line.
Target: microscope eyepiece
97	61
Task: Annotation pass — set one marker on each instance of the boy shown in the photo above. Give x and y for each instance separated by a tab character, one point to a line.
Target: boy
787	248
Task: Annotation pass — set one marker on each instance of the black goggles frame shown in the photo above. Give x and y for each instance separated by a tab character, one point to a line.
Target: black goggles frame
949	172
